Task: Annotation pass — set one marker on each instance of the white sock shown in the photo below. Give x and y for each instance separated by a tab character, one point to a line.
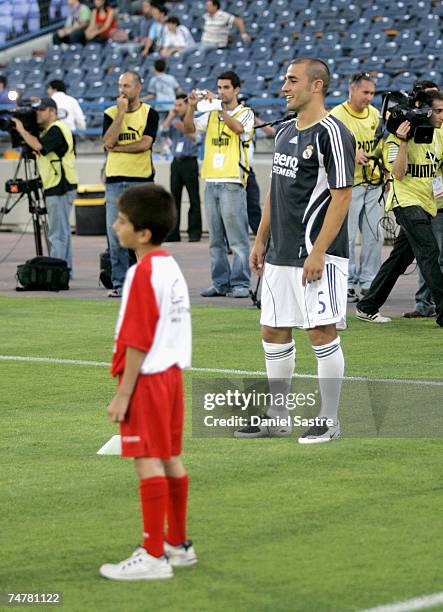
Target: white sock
280	364
331	367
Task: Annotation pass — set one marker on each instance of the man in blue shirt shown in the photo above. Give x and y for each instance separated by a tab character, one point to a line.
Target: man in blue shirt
184	169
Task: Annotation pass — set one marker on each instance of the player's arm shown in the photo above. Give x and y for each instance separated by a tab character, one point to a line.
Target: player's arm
400	164
119	404
142	145
258	252
111	133
334	219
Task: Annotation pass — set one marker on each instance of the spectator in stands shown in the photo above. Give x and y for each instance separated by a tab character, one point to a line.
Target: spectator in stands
129	131
145	22
69	109
362	120
176	37
184	169
216	28
4	92
75	25
162	87
159	13
229	130
103	23
56	164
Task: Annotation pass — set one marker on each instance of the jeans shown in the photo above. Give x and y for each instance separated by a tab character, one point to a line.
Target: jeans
119	256
184	173
364	214
415	239
59	231
225	205
423	299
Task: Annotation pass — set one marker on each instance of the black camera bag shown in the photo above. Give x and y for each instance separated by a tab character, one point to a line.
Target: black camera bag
43	274
106	269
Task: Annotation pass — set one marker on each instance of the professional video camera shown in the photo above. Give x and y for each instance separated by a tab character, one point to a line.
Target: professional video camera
413	107
27	115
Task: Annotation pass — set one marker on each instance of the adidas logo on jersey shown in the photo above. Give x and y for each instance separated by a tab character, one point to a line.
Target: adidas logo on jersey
285	165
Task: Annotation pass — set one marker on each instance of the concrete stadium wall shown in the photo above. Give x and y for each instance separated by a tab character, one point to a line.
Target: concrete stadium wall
89	169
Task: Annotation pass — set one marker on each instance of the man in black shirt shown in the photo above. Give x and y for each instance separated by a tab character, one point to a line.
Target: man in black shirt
305	274
56	163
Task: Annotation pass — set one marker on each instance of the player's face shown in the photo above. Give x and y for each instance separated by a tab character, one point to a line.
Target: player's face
180	107
297	87
225	90
437	113
127	236
362	94
129	87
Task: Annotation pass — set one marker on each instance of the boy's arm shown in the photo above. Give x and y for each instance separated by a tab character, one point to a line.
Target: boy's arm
119	404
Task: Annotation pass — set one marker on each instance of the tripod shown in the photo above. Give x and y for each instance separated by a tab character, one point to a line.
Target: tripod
31	187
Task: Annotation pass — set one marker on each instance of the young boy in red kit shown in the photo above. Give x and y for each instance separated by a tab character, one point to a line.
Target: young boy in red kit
152	346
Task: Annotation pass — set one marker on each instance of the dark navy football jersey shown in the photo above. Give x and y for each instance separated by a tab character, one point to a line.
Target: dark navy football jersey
306	165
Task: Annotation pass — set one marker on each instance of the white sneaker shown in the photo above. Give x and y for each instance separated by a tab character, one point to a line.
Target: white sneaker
372	318
182	555
140	566
269	427
318	434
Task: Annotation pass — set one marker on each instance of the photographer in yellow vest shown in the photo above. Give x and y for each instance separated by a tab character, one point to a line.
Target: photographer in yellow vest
56	163
229	130
129	131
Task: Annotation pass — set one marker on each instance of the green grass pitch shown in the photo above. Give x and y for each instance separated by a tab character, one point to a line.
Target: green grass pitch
276	526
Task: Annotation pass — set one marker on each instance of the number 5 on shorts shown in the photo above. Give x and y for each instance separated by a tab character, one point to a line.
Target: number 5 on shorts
322	304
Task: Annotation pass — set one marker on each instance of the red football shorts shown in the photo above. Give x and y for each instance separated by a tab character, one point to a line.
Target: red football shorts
154	422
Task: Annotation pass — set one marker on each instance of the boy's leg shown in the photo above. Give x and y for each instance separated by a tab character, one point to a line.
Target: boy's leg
178	482
154	501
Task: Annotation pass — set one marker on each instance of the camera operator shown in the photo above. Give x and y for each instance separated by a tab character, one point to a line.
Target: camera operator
54	148
362	120
416	186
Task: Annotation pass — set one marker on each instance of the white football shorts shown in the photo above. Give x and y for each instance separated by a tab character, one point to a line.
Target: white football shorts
286	303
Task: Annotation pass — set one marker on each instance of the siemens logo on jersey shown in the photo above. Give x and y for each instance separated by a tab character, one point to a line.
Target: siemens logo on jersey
285	165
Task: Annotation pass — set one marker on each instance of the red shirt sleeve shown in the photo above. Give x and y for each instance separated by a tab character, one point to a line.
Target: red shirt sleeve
139	318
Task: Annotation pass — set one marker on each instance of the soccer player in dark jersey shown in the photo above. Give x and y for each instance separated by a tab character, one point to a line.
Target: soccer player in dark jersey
305	269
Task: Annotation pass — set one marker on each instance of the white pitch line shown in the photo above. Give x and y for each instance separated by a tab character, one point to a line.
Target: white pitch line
418	603
399	381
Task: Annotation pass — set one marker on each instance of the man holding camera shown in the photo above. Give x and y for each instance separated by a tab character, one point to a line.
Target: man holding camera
362	120
416	185
56	163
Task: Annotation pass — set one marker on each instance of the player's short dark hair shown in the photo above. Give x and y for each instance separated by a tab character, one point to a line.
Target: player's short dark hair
151	207
173	19
232	76
216	3
160	65
57	84
3	80
317	69
181	96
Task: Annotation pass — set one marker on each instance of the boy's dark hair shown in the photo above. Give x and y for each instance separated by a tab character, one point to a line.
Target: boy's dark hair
160	6
3	80
173	19
57	84
160	65
216	3
232	76
151	207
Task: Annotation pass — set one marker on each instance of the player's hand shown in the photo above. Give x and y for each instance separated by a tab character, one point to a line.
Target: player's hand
118	407
122	104
361	158
192	99
403	130
313	268
257	258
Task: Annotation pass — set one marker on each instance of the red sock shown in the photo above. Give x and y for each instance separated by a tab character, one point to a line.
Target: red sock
154	498
178	498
